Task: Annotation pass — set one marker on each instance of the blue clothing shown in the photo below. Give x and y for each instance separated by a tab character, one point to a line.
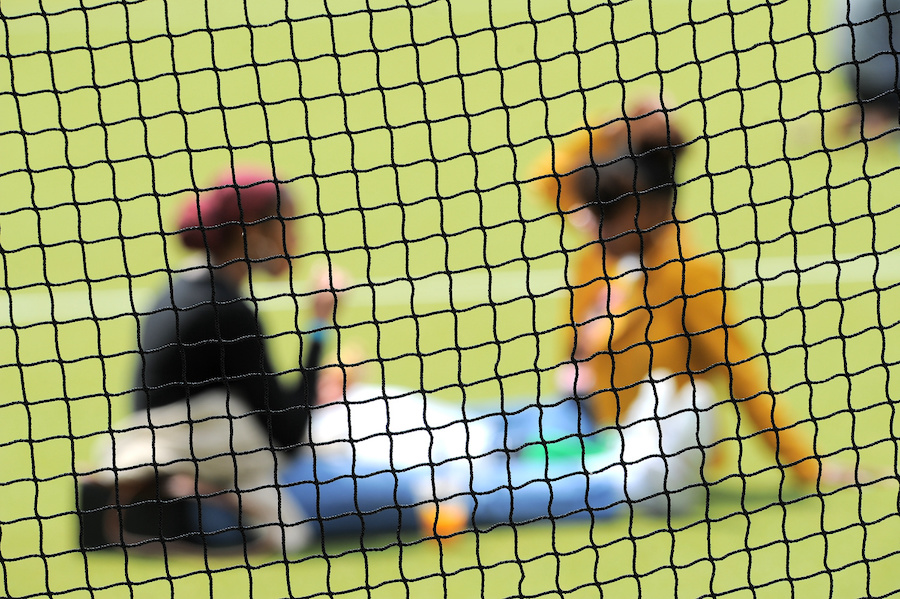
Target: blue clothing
539	462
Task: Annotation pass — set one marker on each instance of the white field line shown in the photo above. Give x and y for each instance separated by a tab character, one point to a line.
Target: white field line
41	305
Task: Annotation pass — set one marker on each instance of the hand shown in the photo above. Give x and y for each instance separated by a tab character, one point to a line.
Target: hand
329	285
570	379
845	475
331	384
584	220
337	377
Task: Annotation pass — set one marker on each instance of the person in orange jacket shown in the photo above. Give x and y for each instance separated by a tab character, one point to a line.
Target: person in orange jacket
652	322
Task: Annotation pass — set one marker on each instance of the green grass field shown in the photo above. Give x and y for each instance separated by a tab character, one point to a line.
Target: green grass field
410	142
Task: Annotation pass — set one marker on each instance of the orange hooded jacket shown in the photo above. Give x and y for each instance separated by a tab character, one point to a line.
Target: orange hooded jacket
667	313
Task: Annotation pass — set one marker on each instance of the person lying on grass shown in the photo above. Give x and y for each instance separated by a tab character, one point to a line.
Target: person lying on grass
384	460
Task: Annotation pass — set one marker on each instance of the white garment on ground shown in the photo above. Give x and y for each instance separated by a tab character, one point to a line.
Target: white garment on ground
394	428
215	439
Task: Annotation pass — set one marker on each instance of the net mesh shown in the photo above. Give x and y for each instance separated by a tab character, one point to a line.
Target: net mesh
409	132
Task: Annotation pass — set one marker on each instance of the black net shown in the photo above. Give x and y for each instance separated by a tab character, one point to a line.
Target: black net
502	404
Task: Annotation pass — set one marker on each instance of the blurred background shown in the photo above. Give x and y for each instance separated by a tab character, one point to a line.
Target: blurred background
409	131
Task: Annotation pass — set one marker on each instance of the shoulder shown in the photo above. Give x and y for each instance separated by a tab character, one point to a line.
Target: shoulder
692	284
195	298
703	273
201	290
675	260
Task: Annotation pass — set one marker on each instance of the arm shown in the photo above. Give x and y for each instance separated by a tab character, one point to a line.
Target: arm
720	343
289	415
287	409
748	377
247	369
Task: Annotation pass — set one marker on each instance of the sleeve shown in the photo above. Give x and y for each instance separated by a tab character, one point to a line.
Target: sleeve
721	342
289	408
248	370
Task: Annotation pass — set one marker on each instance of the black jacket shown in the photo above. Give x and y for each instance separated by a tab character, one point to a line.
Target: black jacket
203	334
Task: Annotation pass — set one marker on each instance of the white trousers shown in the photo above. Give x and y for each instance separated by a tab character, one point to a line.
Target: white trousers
665	434
217	441
658	465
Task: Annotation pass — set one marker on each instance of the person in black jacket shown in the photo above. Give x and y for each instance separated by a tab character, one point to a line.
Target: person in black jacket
212	421
868	58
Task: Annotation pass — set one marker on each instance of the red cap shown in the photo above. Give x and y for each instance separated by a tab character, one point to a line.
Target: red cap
238	197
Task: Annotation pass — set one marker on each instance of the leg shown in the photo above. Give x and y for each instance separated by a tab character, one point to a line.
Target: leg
209	456
348	501
664	436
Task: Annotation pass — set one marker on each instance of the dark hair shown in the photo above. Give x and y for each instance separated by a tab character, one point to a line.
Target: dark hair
239	197
634	156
